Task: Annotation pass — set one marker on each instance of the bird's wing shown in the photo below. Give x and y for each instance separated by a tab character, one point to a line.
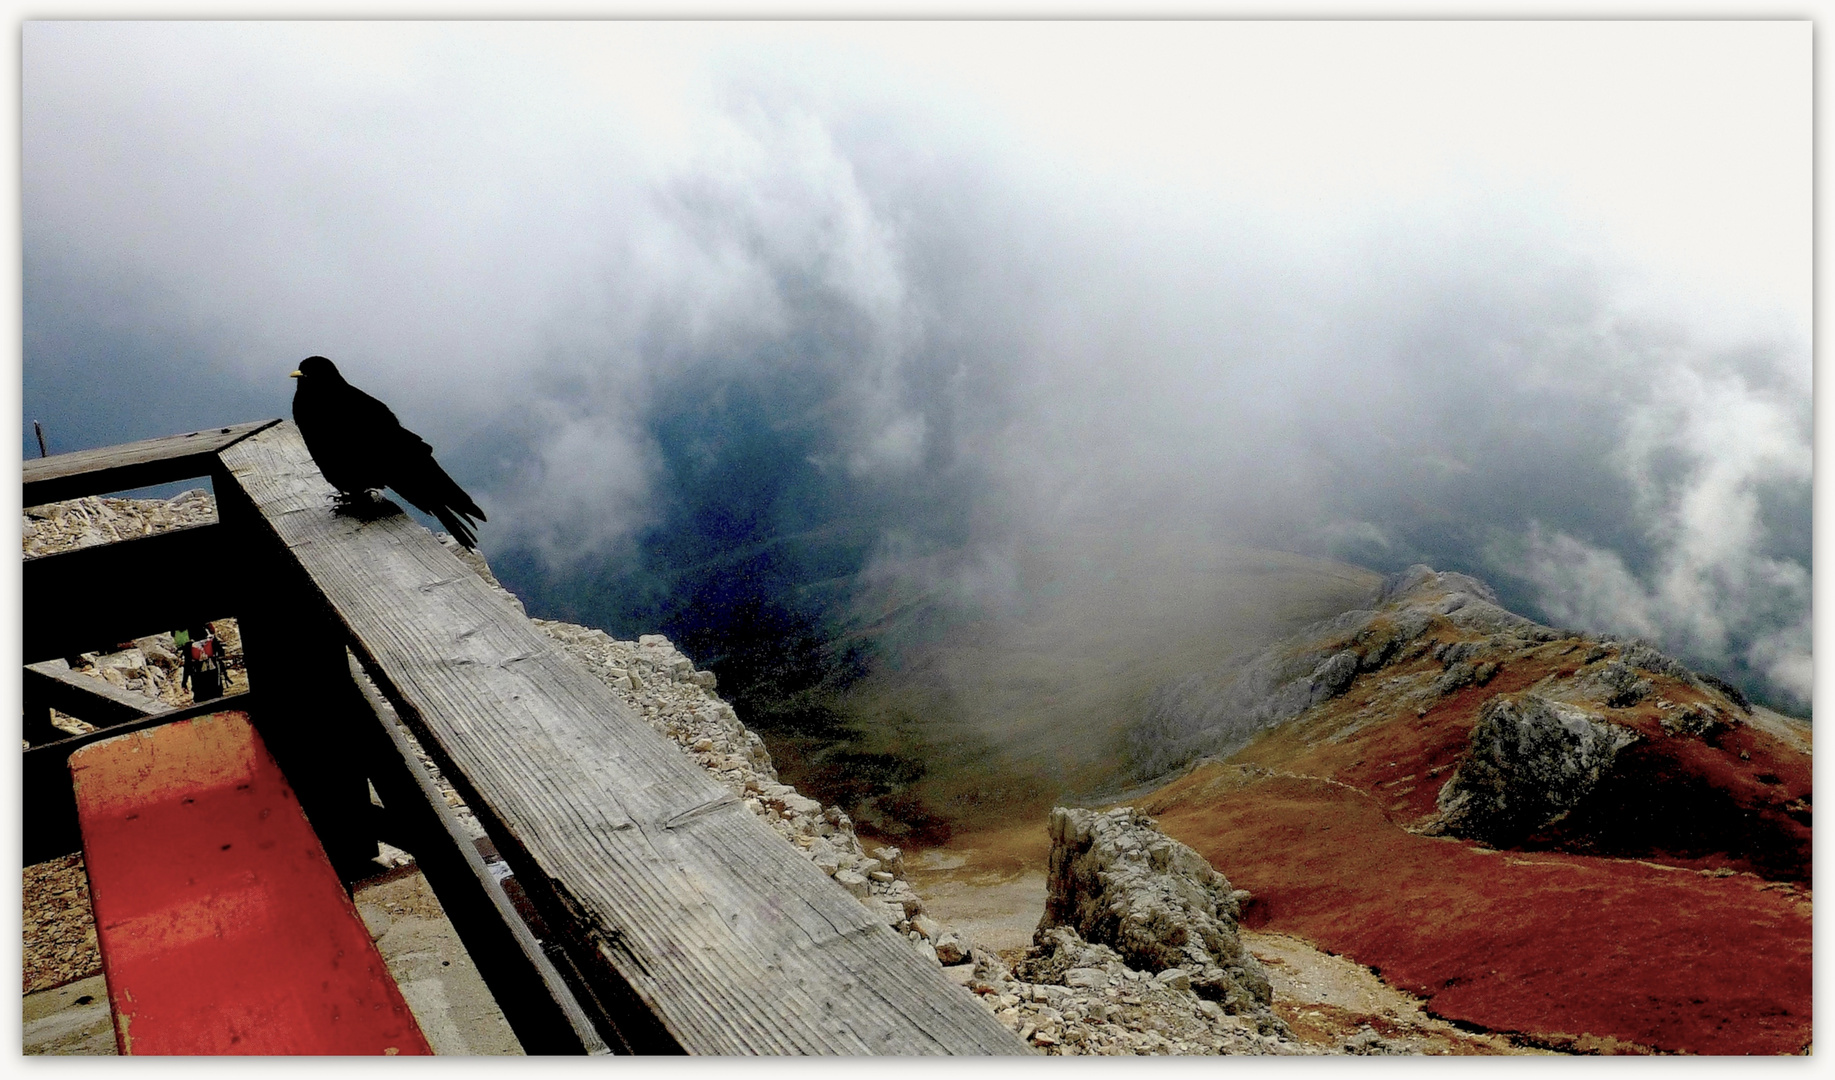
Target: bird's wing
418	478
350	434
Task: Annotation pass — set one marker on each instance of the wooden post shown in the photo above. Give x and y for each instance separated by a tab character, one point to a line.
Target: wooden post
293	650
38	727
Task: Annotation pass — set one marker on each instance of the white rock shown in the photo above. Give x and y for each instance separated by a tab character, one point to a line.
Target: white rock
892	859
800	804
853	882
889	914
1175	978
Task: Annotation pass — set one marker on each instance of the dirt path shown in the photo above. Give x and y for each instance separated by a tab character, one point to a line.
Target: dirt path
997	908
1327	999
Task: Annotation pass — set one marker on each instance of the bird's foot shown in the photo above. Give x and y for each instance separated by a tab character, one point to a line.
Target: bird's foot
363	505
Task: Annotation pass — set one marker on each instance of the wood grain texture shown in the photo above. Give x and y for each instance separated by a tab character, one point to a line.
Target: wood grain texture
533	995
732	941
130	465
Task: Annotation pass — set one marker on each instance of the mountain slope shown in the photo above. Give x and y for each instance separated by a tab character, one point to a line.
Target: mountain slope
1555	834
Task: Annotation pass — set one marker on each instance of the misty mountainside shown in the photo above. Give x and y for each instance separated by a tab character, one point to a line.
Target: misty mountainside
907	661
1011	686
952	690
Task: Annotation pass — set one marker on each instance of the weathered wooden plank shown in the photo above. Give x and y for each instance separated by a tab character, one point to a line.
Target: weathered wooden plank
51	684
660	880
534	997
130	465
49	818
95	597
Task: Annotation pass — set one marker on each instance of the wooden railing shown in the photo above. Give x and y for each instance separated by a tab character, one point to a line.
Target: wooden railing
676	920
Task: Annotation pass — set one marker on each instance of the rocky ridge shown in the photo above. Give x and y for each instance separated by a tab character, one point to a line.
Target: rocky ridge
1452	616
1569	730
1631	833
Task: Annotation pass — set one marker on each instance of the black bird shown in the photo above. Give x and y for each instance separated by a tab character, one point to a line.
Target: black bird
359	445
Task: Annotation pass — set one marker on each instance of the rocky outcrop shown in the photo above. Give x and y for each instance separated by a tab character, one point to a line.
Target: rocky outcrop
1137	952
1116	880
1532	761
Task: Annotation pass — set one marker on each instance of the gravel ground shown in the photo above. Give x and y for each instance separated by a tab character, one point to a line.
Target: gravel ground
60	932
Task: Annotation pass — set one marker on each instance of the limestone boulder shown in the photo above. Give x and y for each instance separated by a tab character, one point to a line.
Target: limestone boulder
1117	881
1532	760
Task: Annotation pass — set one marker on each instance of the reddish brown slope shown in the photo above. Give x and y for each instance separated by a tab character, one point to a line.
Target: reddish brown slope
1546	944
1669	908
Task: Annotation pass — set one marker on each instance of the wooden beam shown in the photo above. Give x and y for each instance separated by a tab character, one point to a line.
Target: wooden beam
531	992
130	465
50	825
661	886
96	597
51	684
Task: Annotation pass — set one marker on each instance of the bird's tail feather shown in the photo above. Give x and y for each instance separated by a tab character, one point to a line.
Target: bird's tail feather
459	526
429	488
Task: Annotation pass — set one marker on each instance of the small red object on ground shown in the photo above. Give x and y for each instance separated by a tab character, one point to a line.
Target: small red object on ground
224	929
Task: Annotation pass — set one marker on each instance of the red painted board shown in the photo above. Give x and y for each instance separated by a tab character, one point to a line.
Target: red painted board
223	928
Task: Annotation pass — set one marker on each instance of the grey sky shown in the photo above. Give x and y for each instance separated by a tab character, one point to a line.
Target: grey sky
1531	297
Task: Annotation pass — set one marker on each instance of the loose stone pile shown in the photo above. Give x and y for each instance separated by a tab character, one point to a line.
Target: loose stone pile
82	523
60	933
1070	996
1137	952
663	687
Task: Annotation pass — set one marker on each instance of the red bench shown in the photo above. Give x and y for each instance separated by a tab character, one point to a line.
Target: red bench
223	928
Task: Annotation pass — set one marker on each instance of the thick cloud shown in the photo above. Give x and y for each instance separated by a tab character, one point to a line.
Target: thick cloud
666	293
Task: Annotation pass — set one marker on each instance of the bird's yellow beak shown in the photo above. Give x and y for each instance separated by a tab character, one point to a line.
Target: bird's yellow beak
294	375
